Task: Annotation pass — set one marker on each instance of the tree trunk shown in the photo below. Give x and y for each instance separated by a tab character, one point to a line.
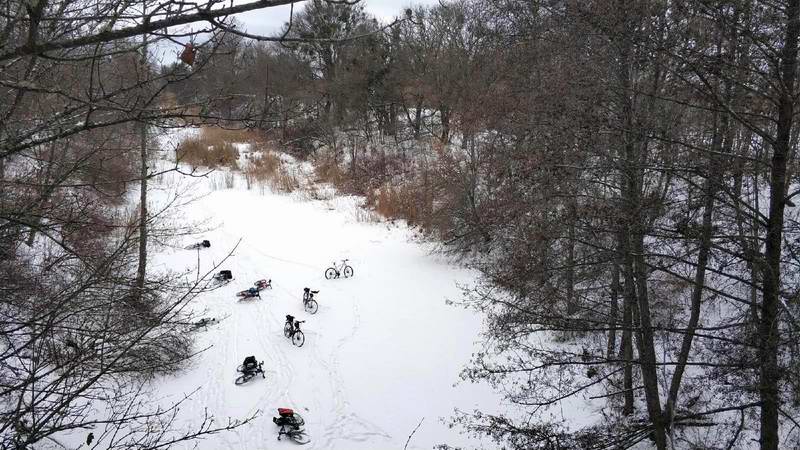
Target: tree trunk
709	190
445	115
627	348
417	119
572	306
141	271
266	106
769	331
613	310
635	269
392	130
47	191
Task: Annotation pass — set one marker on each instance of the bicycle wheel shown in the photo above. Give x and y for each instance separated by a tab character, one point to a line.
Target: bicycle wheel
298	338
311	306
243	378
287	330
348	271
330	272
299	436
305	296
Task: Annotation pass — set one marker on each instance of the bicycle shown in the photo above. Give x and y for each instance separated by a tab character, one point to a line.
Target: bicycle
263	284
199	245
309	304
222	277
291	329
291	425
249	293
338	270
248	370
204	323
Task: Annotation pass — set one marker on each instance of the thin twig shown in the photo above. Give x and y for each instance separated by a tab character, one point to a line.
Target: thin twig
405	447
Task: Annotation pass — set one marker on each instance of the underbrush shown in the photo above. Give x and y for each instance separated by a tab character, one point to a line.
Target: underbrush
395	185
267	168
217	148
210	149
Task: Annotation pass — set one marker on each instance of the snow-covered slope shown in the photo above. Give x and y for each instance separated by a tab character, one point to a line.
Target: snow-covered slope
383	351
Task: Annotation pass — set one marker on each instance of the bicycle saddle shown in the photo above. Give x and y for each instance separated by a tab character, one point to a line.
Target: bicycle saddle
289	318
305	289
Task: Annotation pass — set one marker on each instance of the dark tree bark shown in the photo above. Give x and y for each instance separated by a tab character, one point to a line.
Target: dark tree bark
141	270
769	329
635	268
613	312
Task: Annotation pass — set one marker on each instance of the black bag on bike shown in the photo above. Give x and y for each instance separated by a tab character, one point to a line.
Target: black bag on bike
250	362
225	275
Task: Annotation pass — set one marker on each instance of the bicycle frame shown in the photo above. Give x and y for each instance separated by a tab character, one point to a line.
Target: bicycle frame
292	433
339	268
295	327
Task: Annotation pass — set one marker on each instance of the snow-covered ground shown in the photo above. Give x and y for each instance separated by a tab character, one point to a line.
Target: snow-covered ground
383	352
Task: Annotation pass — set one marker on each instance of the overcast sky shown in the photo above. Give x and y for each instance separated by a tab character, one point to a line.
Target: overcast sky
270	20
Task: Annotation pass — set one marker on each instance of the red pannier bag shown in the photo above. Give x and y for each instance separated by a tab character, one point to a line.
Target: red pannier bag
285	412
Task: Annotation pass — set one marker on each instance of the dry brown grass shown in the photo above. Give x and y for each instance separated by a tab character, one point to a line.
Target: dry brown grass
208	150
401	202
269	169
411	200
262	168
213	147
327	170
285	181
217	134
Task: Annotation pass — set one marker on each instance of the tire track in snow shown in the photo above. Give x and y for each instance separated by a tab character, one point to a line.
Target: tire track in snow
346	425
264	326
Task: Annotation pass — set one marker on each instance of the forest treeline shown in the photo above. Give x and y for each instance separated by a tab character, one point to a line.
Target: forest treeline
621	173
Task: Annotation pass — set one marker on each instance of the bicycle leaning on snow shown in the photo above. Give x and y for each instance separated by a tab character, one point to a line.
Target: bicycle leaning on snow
249	369
338	270
291	425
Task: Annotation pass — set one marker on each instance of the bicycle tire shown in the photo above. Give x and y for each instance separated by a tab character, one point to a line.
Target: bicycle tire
298	338
299	437
348	271
311	306
242	379
306	296
287	330
330	273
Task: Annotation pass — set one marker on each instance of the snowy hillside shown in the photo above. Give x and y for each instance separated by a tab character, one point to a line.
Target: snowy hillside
382	353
